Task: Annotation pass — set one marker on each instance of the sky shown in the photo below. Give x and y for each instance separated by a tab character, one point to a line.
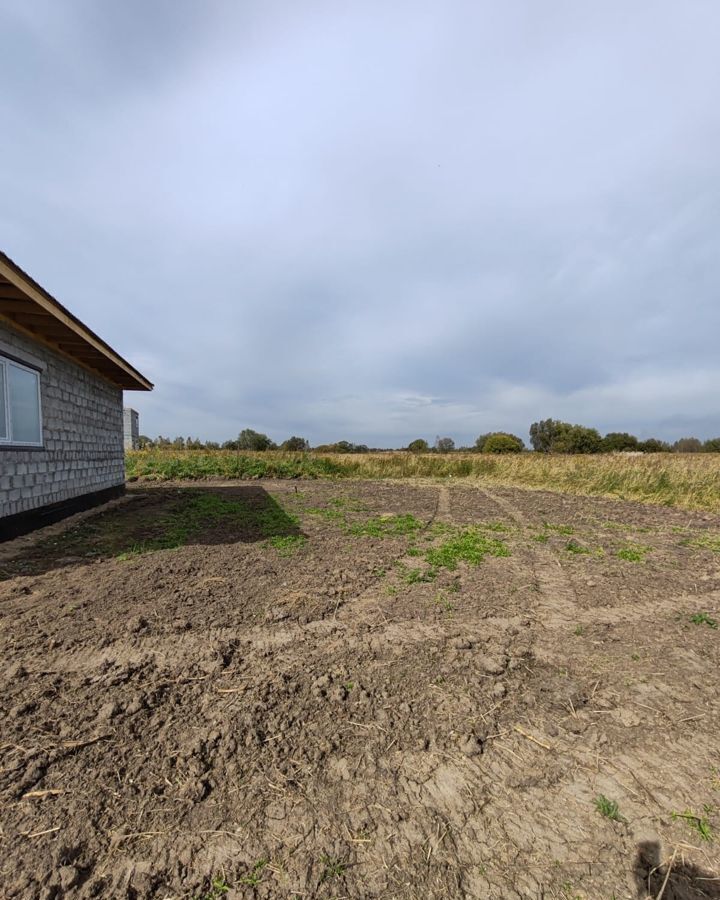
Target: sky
375	221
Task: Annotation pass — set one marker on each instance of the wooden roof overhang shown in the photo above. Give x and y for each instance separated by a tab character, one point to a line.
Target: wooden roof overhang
32	311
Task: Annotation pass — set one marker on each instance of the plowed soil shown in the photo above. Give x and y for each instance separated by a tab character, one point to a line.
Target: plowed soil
361	690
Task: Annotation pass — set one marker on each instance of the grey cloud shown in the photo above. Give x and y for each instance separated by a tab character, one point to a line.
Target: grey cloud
377	221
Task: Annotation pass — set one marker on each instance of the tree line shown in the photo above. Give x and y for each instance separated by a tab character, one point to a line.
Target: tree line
546	436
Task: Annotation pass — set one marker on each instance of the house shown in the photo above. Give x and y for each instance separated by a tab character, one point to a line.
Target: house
131	429
61	408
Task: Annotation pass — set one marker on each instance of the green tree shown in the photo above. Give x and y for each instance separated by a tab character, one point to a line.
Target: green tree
444	444
253	440
687	445
419	445
712	445
295	444
653	445
480	442
577	439
502	442
543	434
617	441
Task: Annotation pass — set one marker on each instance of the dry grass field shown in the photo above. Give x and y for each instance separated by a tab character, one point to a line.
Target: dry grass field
364	689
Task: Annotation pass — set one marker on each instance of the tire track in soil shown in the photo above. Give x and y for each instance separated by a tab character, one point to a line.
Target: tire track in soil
556	605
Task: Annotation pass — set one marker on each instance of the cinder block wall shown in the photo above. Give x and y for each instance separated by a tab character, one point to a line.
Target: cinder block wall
82	433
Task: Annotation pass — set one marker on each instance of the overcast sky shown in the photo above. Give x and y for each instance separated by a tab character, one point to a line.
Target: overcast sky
377	221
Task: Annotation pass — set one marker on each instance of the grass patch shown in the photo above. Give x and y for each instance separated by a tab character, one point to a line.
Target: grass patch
633	553
332	868
699	824
469	545
254	876
218	888
608	808
705	542
703	618
288	544
387	526
577	549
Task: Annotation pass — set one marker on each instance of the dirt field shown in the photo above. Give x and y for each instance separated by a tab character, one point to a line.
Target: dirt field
361	690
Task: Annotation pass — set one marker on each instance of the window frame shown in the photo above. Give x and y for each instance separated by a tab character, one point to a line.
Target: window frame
8	442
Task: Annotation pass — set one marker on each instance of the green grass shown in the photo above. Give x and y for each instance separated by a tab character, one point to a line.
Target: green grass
218	888
699	824
703	618
288	544
705	542
332	868
633	553
559	529
254	876
576	548
387	526
608	808
469	545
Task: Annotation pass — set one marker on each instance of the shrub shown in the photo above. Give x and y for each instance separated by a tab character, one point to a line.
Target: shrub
501	442
617	441
295	444
419	445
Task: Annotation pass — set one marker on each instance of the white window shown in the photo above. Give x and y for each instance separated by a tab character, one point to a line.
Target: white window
20	417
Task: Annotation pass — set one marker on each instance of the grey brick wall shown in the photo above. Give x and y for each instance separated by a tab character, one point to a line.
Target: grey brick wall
82	433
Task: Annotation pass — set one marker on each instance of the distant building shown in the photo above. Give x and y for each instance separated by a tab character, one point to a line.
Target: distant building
61	408
131	429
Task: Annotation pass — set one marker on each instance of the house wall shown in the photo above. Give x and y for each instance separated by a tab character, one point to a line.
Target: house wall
82	417
131	426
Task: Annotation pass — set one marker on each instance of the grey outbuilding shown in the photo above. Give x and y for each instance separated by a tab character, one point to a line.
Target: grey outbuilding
61	408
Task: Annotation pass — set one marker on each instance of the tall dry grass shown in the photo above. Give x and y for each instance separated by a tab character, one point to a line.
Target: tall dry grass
689	480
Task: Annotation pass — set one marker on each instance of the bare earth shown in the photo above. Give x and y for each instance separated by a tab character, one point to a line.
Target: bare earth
287	707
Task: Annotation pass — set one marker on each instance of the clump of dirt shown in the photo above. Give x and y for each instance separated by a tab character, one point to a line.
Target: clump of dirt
361	690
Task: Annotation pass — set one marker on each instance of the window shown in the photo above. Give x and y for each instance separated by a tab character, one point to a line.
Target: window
20	418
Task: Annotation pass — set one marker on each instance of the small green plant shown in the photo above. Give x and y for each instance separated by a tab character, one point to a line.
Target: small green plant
541	538
332	868
576	548
633	553
579	630
469	545
702	618
559	529
414	551
705	542
254	876
387	526
218	888
287	545
349	685
443	601
417	576
608	808
700	824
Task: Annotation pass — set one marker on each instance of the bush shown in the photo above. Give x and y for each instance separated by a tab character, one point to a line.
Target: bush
577	439
419	445
295	444
617	441
501	442
653	445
